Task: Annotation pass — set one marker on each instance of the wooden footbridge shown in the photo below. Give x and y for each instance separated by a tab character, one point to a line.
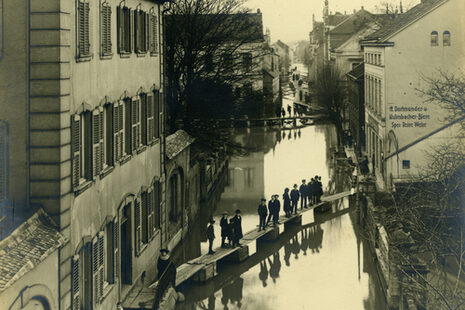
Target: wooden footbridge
205	267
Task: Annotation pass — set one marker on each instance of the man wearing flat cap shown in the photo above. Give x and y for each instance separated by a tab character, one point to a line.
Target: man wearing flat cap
211	236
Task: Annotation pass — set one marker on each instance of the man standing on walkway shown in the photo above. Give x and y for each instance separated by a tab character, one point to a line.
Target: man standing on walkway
211	236
237	228
311	191
224	228
270	209
163	262
276	210
294	199
303	195
287	202
262	213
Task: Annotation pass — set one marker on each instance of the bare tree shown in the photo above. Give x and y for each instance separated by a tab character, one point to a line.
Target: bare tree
210	40
330	89
394	6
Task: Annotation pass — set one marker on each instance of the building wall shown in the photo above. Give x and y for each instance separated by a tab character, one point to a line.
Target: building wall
412	57
63	85
39	282
13	115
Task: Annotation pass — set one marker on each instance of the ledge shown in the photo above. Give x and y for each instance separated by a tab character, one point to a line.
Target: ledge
125	159
153	54
82	187
141	149
125	54
84	58
106	171
141	54
106	56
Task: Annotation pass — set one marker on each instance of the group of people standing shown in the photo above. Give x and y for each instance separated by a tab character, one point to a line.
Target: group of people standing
310	192
231	231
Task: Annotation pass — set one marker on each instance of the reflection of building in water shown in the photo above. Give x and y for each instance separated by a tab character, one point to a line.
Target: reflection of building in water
246	184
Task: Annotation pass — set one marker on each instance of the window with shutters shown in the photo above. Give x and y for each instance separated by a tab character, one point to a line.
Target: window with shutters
98	267
144	109
98	150
141	27
135	134
246	62
150	121
105	29
127	126
156	206
124	29
81	278
82	148
83	37
434	38
446	38
137	226
117	124
153	34
144	217
158	98
108	135
3	161
75	283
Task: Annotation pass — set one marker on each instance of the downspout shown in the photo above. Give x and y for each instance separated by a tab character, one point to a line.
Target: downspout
162	40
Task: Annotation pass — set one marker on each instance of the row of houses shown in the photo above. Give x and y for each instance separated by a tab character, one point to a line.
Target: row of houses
92	185
385	59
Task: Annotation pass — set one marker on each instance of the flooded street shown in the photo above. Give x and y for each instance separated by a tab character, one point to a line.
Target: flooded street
320	265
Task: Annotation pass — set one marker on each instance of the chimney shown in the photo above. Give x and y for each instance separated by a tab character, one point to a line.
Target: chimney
345	13
362	7
401	8
259	11
354	11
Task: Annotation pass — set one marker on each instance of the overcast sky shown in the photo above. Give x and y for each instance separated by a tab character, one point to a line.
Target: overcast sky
291	20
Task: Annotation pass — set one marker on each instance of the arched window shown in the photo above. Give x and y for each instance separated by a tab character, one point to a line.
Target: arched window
434	38
446	38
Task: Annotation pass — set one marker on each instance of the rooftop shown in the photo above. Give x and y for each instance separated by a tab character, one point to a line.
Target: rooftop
404	20
27	246
177	142
357	72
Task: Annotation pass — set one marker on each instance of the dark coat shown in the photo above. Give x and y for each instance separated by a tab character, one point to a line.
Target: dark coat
224	227
311	188
237	226
262	211
210	232
286	202
162	264
295	195
303	190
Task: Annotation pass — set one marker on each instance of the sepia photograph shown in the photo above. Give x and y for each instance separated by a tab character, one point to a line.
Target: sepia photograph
232	154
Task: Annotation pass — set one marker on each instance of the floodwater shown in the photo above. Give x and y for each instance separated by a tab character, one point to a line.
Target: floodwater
323	264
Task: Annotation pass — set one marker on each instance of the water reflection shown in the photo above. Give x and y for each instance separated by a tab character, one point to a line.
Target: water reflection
334	272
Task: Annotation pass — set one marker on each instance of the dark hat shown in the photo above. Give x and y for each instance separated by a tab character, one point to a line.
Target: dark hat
263	199
303	180
295	185
238	211
225	213
166	251
212	221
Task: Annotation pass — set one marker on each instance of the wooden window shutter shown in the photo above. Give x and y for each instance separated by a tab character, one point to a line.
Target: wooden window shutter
115	127
147	31
143	119
75	283
105	26
116	248
128	127
156	111
76	146
136	31
144	213
130	30
101	263
120	28
137	230
121	134
96	143
153	33
150	223
157	205
101	140
95	270
83	29
150	117
135	124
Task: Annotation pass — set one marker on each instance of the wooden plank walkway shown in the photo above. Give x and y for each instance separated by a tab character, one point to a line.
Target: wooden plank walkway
192	267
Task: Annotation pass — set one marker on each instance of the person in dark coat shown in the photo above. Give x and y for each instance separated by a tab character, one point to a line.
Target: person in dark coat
294	199
211	236
224	228
319	189
163	261
270	209
262	213
287	203
311	191
303	195
237	228
276	210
